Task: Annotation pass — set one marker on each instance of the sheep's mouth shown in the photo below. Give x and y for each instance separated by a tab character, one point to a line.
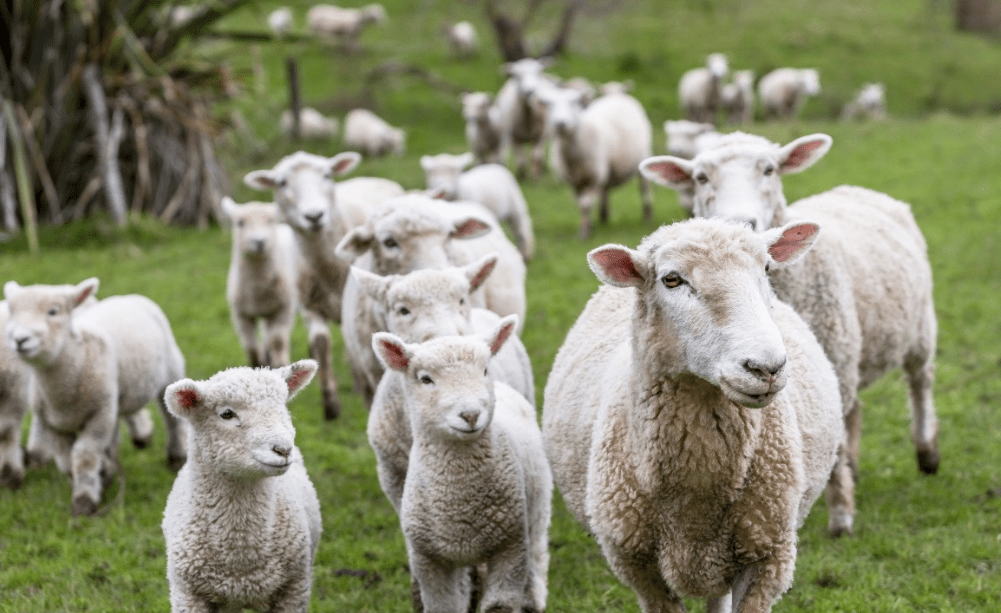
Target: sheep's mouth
748	399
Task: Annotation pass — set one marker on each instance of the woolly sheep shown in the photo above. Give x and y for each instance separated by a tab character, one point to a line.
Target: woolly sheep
783	91
869	103
260	285
872	259
463	39
597	147
242	521
414	232
483	130
681	136
93	364
343	25
737	97
478	489
699	89
691	419
490	185
18	394
616	87
280	21
522	116
312	124
320	213
369	133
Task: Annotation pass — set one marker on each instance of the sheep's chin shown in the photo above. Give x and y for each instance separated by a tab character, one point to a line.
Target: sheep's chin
750	401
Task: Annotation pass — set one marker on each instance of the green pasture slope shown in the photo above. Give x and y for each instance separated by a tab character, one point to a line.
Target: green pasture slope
921	543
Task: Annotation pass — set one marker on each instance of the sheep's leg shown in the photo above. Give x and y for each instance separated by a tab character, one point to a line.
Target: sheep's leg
40	443
505	582
924	425
643	576
319	350
177	435
759	585
521	164
841	495
140	428
442	589
182	599
603	207
88	458
11	454
522	226
294	597
585	202
277	333
645	197
720	604
538	157
246	328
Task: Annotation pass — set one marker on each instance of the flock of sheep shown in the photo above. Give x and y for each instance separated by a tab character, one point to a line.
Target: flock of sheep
704	399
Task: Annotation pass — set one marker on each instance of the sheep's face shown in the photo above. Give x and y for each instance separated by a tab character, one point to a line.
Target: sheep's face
744	80
717	65
255	228
704	301
442	172
528	74
811	81
41	318
476	106
563	109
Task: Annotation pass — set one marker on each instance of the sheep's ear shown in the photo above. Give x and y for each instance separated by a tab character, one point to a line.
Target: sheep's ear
343	163
373	284
803	152
478	271
470	227
11	289
181	397
354	244
788	243
262	179
504	330
668	171
297	375
465	160
617	265
83	290
228	206
427	163
437	193
392	351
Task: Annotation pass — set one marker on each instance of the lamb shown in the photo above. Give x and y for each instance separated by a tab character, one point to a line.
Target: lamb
491	185
242	521
699	89
598	147
737	97
280	21
17	396
320	213
869	103
483	129
522	116
369	133
93	363
691	419
479	489
414	232
260	285
681	135
872	261
343	25
463	39
312	124
783	91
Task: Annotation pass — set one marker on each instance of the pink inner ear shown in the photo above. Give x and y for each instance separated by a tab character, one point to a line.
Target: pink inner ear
470	227
393	354
481	276
791	242
186	398
618	265
801	154
295	380
341	165
83	296
669	171
502	336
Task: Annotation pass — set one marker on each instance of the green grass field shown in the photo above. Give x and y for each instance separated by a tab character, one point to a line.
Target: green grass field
921	543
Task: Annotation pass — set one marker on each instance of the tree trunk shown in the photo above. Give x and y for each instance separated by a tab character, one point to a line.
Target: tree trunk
982	16
108	140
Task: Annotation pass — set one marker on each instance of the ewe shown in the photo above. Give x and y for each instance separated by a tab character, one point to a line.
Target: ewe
783	91
522	117
369	133
483	126
737	97
869	103
699	89
94	362
691	419
242	521
872	261
312	124
343	25
16	398
478	490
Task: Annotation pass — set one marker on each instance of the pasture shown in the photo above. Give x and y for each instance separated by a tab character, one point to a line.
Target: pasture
921	543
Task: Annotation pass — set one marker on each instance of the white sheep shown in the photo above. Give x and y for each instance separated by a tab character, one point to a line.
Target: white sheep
483	129
463	39
681	136
312	124
872	259
597	147
783	91
691	419
699	89
616	87
320	213
18	395
414	232
94	363
478	490
737	97
491	185
242	521
261	282
522	116
343	25
369	133
869	103
280	21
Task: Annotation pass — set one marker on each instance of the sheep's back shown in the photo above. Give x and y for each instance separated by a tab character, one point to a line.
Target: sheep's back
626	130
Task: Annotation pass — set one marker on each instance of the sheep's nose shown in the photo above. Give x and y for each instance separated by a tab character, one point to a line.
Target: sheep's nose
282	450
470	417
766	369
313	216
20	341
258	244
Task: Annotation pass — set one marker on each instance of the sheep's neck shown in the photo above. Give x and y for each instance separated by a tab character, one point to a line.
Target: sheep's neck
244	502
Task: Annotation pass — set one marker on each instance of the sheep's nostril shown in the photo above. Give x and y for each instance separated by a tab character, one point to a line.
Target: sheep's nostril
282	450
765	369
470	417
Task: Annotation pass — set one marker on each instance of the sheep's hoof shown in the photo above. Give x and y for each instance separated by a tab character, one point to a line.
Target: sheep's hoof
10	478
928	460
839	531
84	506
331	406
142	443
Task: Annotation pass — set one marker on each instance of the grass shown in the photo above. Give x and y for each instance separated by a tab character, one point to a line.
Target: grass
921	544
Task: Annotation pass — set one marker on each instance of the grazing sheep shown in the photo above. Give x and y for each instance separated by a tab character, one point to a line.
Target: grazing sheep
869	103
343	25
242	521
280	21
93	363
369	133
783	91
320	213
410	233
463	39
691	419
483	129
872	261
681	136
737	97
17	395
260	285
312	124
478	490
699	89
522	116
490	185
598	147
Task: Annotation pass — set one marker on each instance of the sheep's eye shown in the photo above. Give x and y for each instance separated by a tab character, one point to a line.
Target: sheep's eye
768	267
485	372
239	224
426	380
672	279
702	178
53	311
403	311
769	170
390	243
462	301
282	182
227	414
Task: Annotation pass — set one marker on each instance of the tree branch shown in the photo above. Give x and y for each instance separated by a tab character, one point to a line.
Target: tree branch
107	143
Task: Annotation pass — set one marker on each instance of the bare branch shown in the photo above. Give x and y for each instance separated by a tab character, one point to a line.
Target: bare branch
114	191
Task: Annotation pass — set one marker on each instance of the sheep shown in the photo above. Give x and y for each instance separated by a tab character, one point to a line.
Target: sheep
260	285
491	185
616	87
681	136
585	87
369	133
872	260
463	39
598	147
320	213
312	124
478	489
522	117
869	103
783	91
414	232
483	130
691	419
242	521
699	89
737	97
17	394
93	363
343	25
280	21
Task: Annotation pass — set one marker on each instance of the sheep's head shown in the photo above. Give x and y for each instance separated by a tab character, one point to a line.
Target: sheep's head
476	105
717	65
563	109
303	185
374	13
811	81
41	317
442	172
255	226
527	73
449	388
740	178
703	303
241	425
